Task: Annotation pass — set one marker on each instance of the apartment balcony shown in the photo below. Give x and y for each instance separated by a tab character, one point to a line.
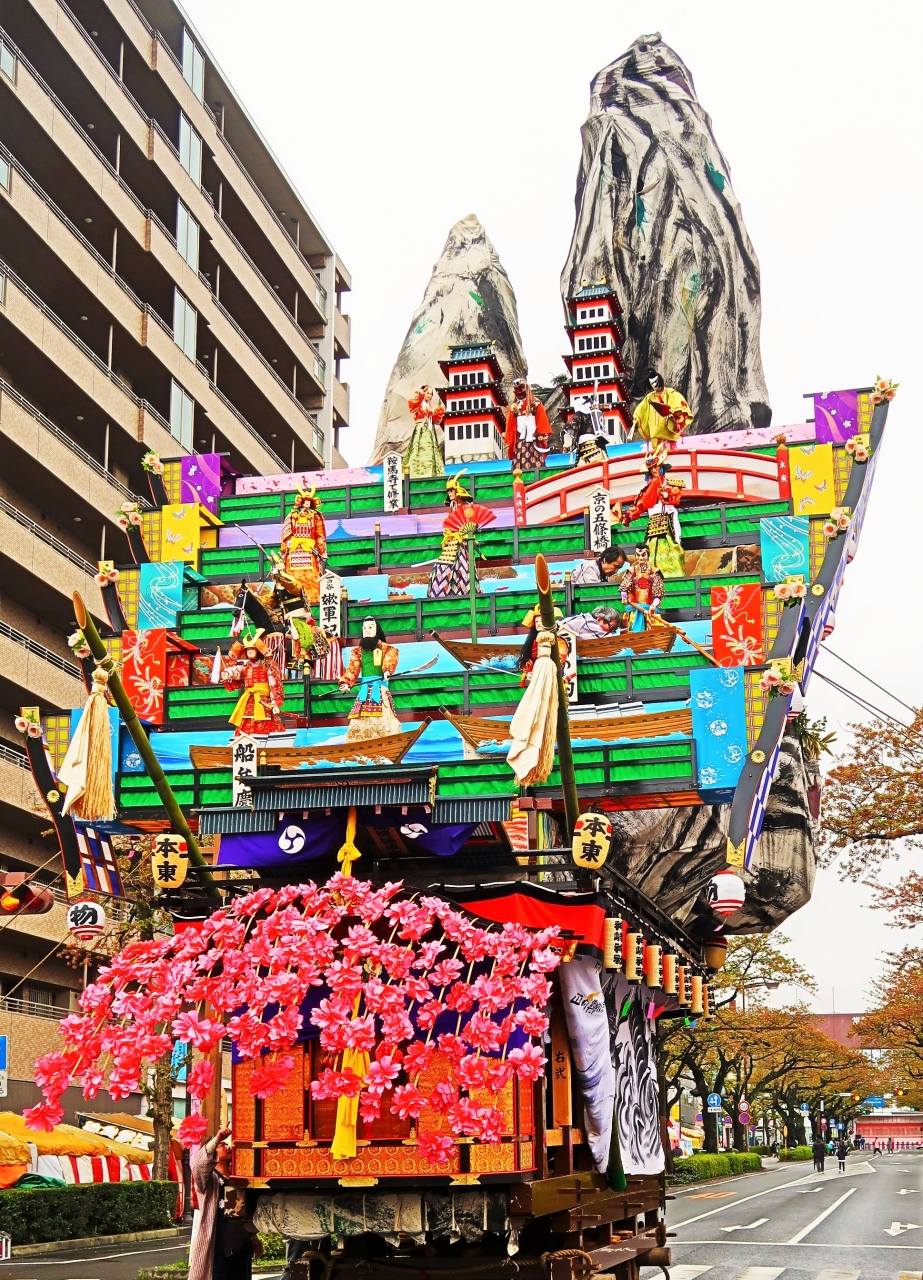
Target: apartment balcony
31	673
341	401
17	788
342	328
60	457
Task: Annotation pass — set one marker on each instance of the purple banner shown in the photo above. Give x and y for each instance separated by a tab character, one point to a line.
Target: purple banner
200	480
836	416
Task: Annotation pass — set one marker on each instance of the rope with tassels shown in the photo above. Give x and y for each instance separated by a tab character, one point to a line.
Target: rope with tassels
348	853
86	771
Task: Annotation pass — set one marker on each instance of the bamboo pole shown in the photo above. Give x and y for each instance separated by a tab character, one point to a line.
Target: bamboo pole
473	587
565	751
142	742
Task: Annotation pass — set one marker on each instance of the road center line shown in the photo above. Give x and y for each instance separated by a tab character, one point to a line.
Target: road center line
734	1203
796	1239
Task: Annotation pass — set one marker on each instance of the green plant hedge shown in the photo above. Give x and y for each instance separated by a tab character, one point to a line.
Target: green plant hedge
795	1153
38	1214
700	1167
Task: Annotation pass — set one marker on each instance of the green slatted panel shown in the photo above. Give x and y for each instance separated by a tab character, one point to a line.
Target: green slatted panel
206	701
137	792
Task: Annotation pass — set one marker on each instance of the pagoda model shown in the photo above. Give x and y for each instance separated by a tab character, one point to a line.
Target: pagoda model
595	363
474	422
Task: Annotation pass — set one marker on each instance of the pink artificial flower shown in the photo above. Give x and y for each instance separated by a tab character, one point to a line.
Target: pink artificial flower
459	997
463	1117
499	1073
452	1047
407	1101
202	1033
436	1147
336	1084
529	1062
471	1072
416	988
43	1117
370	1107
481	1033
192	1130
344	979
360	1033
426	957
443	1096
380	1075
271	1077
92	1083
248	1033
532	1021
490	1124
536	989
418	1058
545	960
283	1028
200	1079
331	1012
427	1014
445	972
396	1026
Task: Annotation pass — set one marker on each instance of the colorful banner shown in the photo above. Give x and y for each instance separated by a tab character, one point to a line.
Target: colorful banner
160	594
737	625
298	840
813	489
97	861
200	480
144	672
719	727
180	532
836	416
784	547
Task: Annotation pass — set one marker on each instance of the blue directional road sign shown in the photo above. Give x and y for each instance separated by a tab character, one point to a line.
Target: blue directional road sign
805	1107
714	1099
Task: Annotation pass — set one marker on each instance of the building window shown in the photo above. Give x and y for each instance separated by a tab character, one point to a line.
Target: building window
610	423
451	433
580	344
40	999
182	409
7	61
184	323
4	174
193	66
190	150
481	376
187	235
467	430
456	380
477	431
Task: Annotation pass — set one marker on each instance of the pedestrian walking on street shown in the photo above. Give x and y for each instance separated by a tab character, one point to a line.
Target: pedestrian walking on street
225	1242
819	1151
842	1152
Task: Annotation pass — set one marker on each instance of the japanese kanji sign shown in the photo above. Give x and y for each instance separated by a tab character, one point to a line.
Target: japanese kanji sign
243	766
392	467
600	515
330	592
592	837
169	860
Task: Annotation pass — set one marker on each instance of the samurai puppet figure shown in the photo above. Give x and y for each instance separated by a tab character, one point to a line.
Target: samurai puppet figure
451	574
371	666
309	642
642	592
304	543
659	499
663	414
590	438
423	458
253	670
527	428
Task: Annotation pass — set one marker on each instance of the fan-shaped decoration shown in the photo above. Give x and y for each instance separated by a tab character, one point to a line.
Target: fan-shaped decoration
468	514
384	981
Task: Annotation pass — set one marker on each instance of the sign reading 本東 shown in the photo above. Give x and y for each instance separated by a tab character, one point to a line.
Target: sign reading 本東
169	860
328	608
392	467
600	516
592	838
243	766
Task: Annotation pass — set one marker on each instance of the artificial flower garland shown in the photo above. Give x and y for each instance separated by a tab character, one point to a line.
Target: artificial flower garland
390	965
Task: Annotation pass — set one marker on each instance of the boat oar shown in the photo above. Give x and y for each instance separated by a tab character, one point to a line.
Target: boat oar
371	679
679	631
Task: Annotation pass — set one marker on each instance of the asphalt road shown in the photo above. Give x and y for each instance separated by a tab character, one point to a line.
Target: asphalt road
791	1223
110	1262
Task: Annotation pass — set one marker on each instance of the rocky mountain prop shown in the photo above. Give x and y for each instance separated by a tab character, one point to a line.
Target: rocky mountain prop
469	298
657	218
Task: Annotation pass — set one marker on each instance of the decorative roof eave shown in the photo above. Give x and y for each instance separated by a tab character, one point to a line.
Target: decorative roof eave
454	809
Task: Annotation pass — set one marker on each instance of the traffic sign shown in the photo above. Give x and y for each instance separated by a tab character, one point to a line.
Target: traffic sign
3	1051
728	1120
715	1111
4	1079
743	1105
823	1124
841	1125
714	1099
805	1107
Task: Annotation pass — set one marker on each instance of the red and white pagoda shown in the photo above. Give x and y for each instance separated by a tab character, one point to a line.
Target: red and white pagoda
474	422
595	363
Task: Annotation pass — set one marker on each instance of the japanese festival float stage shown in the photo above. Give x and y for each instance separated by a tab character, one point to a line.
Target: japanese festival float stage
456	772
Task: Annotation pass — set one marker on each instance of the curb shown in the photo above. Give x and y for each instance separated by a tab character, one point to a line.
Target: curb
62	1246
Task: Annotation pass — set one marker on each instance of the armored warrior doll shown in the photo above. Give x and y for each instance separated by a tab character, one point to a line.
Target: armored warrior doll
256	674
304	544
527	428
371	665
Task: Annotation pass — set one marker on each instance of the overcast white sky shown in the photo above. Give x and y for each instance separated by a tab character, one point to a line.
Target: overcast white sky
395	120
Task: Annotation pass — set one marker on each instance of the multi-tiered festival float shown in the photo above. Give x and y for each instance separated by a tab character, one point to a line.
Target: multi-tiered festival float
457	770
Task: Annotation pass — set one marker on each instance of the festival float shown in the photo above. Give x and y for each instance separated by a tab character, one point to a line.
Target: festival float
449	820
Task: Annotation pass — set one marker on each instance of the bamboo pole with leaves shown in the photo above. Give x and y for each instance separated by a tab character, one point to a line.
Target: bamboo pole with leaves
142	742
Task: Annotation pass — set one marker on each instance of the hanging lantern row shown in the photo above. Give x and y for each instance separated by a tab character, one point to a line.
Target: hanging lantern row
658	966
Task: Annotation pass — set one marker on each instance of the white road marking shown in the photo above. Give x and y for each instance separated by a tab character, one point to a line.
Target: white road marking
908	1191
687	1273
749	1227
834	1273
780	1186
809	1191
810	1244
800	1235
851	1171
105	1257
761	1273
898	1228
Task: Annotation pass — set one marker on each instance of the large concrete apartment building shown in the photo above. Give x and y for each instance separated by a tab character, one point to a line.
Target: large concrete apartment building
162	286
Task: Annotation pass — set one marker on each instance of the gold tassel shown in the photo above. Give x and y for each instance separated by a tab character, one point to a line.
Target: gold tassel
86	771
533	728
348	853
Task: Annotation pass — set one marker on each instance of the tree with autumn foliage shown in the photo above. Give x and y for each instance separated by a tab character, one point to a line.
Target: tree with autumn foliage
873	811
895	1024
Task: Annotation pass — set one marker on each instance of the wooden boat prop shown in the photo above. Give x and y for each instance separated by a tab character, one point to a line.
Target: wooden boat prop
504	652
388	750
480	732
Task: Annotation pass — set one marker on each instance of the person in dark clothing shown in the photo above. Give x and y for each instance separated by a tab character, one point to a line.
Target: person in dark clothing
842	1152
819	1151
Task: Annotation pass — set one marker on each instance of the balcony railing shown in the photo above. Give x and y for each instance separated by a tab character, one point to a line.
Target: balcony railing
12	756
64	438
36	1008
53	659
42	533
91	355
